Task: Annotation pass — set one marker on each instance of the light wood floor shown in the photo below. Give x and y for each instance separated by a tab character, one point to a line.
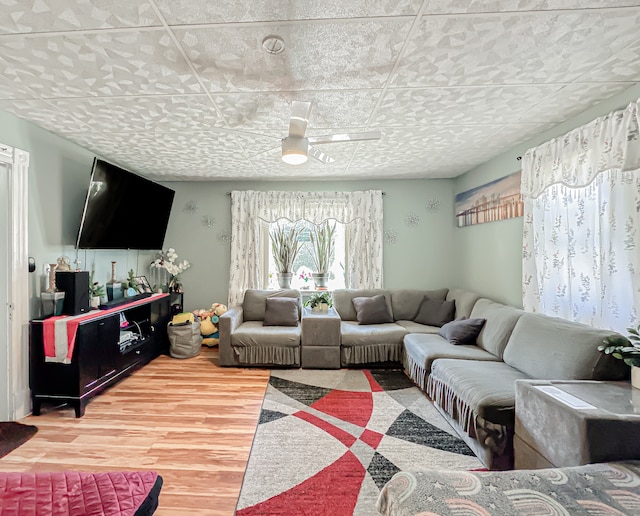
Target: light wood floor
190	420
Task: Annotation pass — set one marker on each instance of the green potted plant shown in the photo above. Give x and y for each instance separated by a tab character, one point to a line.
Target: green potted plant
322	251
285	246
319	301
130	287
627	350
96	292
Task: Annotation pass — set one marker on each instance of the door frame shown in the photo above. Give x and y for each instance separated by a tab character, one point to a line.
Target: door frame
16	347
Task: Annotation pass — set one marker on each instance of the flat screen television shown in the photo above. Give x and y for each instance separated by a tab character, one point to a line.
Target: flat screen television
123	210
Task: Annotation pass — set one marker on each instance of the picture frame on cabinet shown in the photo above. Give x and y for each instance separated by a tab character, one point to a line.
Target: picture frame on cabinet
143	284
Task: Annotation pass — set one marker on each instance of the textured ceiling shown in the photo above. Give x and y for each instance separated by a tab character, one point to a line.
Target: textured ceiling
182	89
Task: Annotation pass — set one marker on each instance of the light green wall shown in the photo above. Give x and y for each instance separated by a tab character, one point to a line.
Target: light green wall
421	257
490	255
485	258
59	174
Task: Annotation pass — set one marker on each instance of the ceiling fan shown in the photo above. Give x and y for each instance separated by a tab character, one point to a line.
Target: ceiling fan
296	147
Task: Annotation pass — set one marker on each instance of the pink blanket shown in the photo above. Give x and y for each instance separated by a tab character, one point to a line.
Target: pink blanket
72	493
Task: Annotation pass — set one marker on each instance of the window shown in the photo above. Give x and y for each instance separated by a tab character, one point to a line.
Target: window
303	266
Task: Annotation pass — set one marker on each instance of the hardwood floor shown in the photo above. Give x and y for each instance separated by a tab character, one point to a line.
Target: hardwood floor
190	420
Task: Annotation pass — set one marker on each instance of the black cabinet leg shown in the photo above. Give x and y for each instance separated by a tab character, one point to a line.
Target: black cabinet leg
35	410
79	407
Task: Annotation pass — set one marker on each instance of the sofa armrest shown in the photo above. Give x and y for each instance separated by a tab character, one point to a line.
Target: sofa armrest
228	323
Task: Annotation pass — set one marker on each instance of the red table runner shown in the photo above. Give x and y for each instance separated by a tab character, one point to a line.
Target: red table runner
59	332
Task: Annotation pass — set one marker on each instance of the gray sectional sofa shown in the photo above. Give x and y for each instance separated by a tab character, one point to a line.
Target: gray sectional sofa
244	340
363	344
473	384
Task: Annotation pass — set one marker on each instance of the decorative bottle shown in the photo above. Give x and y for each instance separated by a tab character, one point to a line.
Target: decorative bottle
114	287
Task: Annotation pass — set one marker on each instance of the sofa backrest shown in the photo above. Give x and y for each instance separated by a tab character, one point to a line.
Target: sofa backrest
255	302
550	348
406	302
465	299
501	319
342	300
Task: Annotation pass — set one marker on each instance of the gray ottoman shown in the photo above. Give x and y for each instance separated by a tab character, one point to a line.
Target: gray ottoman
320	340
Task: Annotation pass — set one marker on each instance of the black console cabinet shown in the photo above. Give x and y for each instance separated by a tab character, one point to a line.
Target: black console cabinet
108	346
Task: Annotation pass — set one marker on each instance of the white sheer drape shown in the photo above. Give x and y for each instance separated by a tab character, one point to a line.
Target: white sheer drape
581	245
362	212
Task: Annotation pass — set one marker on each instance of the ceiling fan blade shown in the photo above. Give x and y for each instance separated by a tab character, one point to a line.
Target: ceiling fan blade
347	137
299	116
319	155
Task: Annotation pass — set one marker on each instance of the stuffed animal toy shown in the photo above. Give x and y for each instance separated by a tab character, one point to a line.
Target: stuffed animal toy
209	332
209	323
218	309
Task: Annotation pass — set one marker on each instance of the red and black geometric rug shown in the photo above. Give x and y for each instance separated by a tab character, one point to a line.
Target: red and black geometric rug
327	442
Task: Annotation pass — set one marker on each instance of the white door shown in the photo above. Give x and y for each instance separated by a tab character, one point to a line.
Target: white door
5	328
14	284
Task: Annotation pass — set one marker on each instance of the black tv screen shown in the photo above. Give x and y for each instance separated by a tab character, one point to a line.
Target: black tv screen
123	210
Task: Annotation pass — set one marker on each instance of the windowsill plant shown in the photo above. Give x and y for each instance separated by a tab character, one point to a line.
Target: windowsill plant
285	245
322	251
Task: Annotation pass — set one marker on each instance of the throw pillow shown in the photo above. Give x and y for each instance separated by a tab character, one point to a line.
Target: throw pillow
462	331
281	311
372	310
435	313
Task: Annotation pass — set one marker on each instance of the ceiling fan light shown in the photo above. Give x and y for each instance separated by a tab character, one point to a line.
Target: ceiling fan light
294	150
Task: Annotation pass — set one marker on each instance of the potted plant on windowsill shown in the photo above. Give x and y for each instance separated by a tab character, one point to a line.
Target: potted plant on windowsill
285	245
619	348
322	251
319	301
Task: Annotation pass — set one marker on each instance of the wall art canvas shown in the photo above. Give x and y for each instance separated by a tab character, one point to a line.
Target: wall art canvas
498	200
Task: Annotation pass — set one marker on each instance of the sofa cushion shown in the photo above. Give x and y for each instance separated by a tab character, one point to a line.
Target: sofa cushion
405	302
414	327
462	331
501	319
425	348
550	348
481	388
343	300
255	302
372	310
465	300
252	333
354	334
433	312
281	311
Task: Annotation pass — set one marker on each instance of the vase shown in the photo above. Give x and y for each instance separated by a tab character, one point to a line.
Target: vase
321	279
175	285
284	279
635	377
52	303
95	302
114	287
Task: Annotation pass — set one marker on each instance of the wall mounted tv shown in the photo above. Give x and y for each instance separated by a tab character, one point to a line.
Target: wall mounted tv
123	210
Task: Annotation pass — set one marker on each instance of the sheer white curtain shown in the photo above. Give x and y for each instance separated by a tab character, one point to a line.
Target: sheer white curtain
581	245
362	212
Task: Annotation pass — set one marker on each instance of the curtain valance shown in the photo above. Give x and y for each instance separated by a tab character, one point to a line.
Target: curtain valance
314	207
575	159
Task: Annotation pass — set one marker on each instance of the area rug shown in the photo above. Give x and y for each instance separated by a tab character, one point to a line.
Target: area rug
328	441
14	434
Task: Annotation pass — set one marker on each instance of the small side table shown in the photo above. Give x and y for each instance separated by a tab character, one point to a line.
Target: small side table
320	339
570	423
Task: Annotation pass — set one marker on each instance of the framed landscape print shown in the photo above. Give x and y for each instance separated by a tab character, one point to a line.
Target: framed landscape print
498	200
